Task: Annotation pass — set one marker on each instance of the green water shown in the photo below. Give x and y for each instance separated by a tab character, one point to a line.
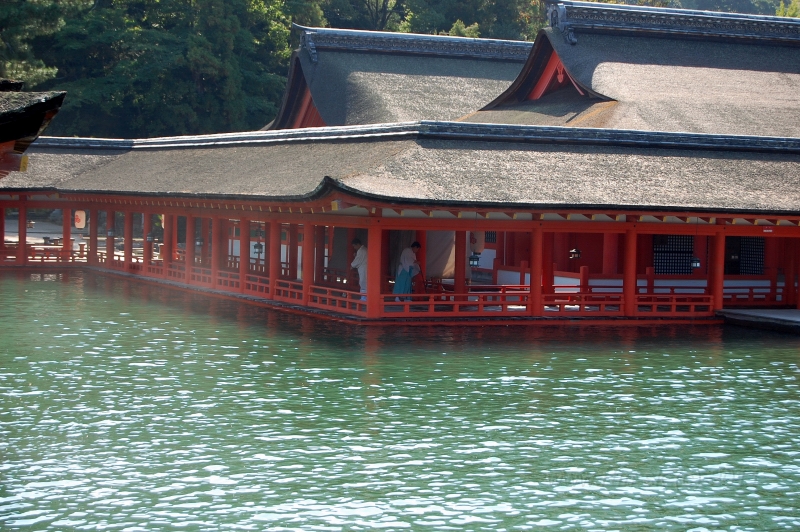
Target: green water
133	407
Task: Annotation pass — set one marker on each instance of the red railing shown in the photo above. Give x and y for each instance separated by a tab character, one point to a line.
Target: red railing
505	302
228	280
176	271
258	285
583	304
289	291
674	305
740	296
337	300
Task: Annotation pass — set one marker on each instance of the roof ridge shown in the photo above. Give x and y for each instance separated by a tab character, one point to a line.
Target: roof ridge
445	130
569	16
313	39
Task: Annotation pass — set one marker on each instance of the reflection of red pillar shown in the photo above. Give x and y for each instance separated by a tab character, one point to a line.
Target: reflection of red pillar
610	253
536	308
308	260
66	233
128	242
717	270
629	287
244	252
548	241
461	262
374	255
274	256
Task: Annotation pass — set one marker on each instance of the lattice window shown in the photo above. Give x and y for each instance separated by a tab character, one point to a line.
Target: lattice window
672	254
751	255
491	237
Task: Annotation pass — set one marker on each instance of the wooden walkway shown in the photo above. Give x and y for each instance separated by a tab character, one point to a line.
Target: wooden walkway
787	320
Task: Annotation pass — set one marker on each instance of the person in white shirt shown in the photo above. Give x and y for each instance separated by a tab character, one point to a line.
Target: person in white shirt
360	264
406	270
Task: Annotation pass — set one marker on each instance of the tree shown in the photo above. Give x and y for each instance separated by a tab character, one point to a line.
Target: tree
792	10
20	22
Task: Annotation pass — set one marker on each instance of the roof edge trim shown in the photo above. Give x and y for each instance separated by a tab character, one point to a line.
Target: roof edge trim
313	39
570	16
443	130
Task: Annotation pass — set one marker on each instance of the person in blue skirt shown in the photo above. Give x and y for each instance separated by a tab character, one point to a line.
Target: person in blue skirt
406	270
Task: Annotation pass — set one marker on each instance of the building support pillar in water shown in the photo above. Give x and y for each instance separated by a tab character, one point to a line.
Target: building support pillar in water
548	269
128	242
629	282
244	252
374	272
716	270
92	257
215	249
460	274
109	239
274	256
292	248
147	241
535	304
66	234
191	231
307	265
168	245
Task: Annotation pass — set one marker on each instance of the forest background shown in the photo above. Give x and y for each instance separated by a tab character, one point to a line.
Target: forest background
147	68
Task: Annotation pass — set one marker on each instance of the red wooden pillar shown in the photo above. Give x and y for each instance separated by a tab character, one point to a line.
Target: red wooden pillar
128	242
206	241
244	252
292	249
422	258
375	253
110	238
319	246
548	241
92	257
175	239
629	285
307	265
716	270
66	234
535	306
215	248
650	273
610	253
2	228
168	245
274	256
189	251
22	232
147	245
500	249
584	279
789	270
461	263
795	251
384	273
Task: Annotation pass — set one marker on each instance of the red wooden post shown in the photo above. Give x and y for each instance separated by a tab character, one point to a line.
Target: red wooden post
189	249
110	239
523	267
147	244
537	253
168	245
244	252
548	269
717	270
206	241
22	232
789	271
422	254
610	253
319	246
92	257
461	263
795	251
308	260
274	256
217	245
629	285
374	254
66	234
650	273
2	228
292	249
584	279
128	242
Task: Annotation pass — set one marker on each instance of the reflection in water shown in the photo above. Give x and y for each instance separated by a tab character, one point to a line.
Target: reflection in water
131	406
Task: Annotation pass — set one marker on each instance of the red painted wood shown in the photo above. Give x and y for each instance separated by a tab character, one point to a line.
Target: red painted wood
274	255
461	262
244	252
537	247
610	253
307	265
110	239
292	250
93	249
374	253
717	270
22	231
147	247
548	268
168	245
128	241
629	288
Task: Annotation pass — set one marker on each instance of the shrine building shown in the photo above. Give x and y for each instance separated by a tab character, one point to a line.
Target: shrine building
632	165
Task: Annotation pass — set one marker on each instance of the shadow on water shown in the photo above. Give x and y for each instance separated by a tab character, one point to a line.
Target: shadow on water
580	339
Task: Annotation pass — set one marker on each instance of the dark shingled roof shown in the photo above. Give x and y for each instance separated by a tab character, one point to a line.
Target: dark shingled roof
23	115
361	77
667	70
446	164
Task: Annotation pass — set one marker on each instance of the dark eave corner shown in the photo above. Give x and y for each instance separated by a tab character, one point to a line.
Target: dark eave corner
23	117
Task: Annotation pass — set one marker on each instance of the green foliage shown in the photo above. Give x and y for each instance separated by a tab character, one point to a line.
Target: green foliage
379	15
169	67
20	22
501	19
792	10
460	30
